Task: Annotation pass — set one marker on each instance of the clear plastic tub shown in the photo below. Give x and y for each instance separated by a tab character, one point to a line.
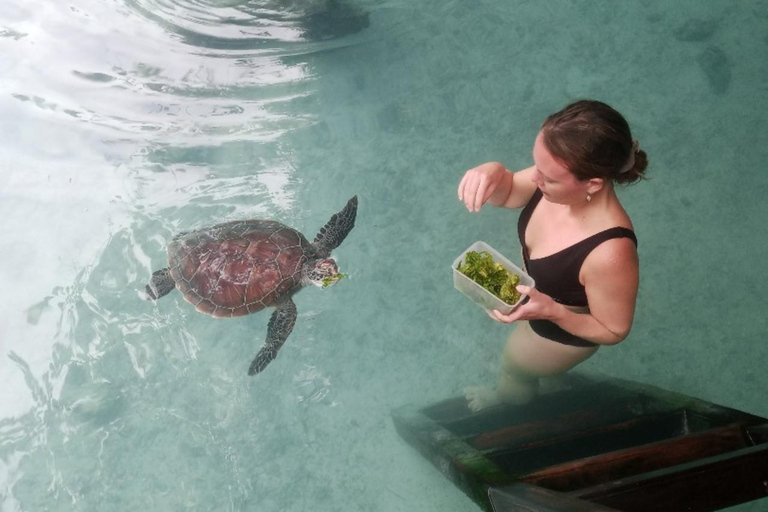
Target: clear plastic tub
480	295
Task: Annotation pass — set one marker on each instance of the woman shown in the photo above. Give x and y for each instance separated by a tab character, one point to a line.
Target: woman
578	245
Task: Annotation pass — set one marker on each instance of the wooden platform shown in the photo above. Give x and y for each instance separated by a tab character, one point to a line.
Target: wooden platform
599	445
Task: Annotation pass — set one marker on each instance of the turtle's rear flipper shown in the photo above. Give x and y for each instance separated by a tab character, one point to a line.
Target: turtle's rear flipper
280	326
336	230
161	284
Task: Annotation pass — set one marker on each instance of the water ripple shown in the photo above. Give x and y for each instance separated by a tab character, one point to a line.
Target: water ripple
177	70
252	24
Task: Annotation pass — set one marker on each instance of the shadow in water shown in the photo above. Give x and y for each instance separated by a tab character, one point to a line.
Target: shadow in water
338	19
254	24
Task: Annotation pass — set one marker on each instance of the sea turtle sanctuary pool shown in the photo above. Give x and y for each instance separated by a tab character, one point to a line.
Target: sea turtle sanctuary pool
124	122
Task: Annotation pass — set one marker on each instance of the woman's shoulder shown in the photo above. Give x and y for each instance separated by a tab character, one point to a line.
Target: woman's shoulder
617	253
612	266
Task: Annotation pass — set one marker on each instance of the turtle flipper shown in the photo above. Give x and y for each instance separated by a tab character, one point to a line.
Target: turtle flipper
336	230
280	326
161	284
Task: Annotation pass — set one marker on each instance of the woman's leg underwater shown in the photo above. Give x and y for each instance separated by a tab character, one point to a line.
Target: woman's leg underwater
526	358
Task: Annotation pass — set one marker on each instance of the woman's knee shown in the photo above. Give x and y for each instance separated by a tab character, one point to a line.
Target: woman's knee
518	367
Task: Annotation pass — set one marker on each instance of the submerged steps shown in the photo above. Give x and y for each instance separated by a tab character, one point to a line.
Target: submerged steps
600	445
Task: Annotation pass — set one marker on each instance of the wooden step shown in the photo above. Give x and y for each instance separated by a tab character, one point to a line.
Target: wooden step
707	484
592	471
601	444
637	431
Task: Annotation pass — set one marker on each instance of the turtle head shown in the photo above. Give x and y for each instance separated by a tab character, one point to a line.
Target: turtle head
324	273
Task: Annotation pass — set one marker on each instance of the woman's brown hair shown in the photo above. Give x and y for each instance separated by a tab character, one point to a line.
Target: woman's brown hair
594	141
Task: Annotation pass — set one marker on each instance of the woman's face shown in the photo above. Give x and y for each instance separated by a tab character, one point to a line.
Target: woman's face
554	179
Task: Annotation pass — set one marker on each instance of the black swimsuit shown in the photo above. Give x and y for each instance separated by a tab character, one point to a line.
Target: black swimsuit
557	275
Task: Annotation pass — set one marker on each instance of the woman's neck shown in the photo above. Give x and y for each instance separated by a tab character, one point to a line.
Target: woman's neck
600	200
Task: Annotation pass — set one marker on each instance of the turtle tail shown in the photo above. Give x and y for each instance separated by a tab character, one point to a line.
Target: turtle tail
336	230
161	284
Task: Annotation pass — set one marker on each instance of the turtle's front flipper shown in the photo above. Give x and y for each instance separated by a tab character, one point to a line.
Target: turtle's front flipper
280	326
336	230
161	284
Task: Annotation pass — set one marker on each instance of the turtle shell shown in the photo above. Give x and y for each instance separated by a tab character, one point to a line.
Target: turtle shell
237	268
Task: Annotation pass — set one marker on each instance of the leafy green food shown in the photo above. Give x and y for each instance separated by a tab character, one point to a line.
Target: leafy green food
480	267
328	281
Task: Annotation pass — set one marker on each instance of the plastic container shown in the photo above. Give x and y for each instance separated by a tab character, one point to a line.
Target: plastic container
480	295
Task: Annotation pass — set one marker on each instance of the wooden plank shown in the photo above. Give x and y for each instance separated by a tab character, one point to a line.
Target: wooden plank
701	486
634	432
643	459
521	497
567	424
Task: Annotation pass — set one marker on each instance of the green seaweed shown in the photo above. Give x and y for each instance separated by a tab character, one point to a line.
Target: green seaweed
480	267
328	281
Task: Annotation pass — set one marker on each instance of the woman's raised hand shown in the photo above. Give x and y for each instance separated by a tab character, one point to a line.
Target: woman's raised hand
480	183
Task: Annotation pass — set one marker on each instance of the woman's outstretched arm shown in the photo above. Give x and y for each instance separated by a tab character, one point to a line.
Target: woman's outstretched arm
492	183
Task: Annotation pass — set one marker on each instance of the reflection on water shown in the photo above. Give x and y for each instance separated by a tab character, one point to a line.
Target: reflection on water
174	71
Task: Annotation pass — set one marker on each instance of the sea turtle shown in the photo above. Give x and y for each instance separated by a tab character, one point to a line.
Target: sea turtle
242	267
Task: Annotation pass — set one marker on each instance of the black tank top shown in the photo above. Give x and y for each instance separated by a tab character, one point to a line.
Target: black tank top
557	275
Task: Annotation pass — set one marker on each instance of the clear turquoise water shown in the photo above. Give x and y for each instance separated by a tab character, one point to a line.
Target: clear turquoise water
125	121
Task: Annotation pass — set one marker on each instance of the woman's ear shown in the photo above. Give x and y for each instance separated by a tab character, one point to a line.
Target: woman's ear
595	185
